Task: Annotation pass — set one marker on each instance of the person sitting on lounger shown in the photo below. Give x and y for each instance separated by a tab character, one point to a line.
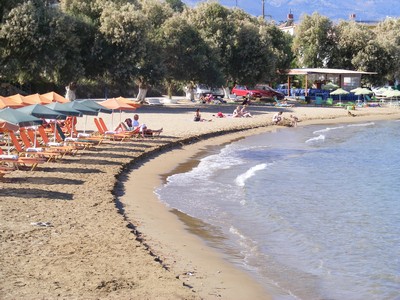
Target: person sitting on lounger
143	128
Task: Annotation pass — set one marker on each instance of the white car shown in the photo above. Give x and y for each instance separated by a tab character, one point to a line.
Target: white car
202	89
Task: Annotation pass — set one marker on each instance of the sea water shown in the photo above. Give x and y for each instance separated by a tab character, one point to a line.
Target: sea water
313	212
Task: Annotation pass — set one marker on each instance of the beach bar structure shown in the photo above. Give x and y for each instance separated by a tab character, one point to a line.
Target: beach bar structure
345	79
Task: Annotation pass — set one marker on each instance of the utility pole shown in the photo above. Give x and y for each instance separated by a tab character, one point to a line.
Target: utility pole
236	3
263	12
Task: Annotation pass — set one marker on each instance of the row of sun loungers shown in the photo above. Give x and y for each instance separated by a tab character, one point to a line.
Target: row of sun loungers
36	146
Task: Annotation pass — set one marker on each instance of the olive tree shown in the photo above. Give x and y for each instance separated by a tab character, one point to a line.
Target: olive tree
388	36
313	44
39	45
351	38
186	56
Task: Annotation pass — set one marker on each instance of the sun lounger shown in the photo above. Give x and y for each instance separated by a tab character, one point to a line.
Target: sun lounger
30	150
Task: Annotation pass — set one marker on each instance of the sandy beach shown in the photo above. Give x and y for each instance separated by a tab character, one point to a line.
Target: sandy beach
108	236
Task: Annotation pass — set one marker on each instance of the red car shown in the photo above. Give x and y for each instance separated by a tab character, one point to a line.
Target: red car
257	92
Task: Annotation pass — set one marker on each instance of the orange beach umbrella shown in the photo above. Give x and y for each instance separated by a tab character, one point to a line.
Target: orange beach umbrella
54	97
115	104
36	99
129	102
7	102
17	98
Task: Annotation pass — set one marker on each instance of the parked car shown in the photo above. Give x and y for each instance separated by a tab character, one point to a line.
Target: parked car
202	90
217	92
257	92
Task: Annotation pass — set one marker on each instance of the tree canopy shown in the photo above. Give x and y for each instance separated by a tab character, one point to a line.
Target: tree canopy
124	43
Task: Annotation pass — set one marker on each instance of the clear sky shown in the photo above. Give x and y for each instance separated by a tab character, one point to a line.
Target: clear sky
365	10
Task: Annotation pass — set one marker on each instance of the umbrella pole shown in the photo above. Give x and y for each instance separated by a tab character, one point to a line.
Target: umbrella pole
55	128
84	127
34	142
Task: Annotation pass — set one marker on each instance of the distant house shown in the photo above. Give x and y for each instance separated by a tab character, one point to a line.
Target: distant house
288	26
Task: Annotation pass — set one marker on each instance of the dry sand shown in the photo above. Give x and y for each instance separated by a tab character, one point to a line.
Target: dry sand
96	248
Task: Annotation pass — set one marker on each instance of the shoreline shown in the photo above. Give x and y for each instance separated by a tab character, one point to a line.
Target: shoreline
90	251
183	242
160	224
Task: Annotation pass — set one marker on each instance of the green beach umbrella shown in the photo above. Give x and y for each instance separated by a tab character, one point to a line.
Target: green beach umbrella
340	92
19	118
330	86
40	111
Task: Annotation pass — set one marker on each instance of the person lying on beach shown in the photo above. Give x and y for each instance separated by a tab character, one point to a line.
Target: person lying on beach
197	116
237	113
277	118
143	130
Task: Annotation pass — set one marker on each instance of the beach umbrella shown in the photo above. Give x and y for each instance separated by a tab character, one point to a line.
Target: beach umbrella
36	99
54	97
363	91
392	93
330	86
339	92
7	126
62	108
41	111
356	90
19	118
117	105
94	105
18	98
85	110
129	102
7	102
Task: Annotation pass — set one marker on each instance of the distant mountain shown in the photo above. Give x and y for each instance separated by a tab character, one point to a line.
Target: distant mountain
365	10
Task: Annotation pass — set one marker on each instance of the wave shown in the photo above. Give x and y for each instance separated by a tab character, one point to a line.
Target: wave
361	125
242	178
327	129
321	137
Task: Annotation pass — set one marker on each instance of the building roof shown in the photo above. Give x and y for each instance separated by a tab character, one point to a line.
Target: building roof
306	71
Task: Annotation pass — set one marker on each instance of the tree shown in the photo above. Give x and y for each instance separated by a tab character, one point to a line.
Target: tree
216	26
314	41
388	36
123	35
186	56
39	45
351	38
176	5
373	58
280	54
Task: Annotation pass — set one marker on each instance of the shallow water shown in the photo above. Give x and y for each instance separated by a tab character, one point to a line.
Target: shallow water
313	212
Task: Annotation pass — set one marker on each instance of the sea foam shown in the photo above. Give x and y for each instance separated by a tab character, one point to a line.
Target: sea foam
242	178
